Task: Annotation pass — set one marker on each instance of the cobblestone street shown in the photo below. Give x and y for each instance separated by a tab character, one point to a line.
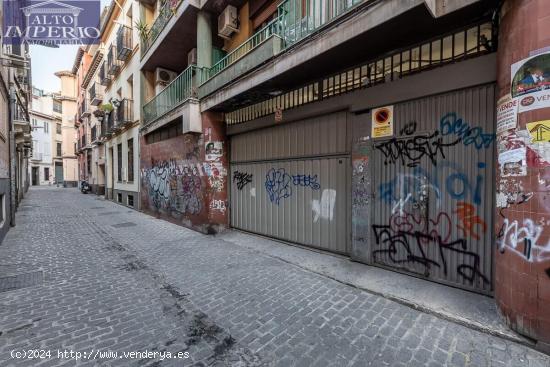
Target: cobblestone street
81	274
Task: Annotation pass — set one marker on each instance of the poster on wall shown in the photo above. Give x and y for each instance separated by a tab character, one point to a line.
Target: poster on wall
539	131
513	162
531	82
213	150
507	113
382	122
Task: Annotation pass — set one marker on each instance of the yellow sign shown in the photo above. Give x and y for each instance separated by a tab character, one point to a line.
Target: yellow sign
539	131
382	122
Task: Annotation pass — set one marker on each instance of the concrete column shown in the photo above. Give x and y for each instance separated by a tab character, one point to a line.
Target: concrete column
522	220
204	39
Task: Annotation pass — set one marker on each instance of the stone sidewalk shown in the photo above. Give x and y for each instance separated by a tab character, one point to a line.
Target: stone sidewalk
85	275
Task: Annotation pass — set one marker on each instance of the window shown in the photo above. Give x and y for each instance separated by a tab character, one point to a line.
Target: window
58	151
130	160
47	173
131	200
58	128
119	159
57	107
89	163
34	122
119	197
46	127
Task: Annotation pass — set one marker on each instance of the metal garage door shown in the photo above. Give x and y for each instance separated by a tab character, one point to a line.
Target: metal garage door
434	189
292	182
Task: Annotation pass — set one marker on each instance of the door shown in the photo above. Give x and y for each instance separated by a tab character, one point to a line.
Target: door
58	172
434	186
291	182
35	179
109	191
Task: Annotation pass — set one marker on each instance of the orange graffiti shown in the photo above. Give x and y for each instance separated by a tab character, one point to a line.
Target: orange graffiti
467	215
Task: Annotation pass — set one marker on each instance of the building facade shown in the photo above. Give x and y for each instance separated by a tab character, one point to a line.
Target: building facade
408	135
43	123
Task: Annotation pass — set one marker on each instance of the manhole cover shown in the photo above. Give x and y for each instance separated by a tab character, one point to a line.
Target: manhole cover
19	281
107	213
123	225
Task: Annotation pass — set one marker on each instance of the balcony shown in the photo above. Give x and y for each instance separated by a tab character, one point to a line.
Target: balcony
173	95
165	13
125	113
104	77
294	22
95	94
109	124
84	109
113	64
124	45
259	48
36	156
22	79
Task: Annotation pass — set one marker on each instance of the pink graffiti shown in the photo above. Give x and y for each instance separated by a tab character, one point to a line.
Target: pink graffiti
407	222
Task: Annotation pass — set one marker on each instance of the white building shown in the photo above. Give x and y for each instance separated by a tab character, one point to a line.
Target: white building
44	125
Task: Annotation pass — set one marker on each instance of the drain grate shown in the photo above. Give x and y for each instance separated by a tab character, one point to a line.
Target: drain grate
19	281
123	225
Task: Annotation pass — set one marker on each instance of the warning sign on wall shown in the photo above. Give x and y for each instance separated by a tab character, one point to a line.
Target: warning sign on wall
382	122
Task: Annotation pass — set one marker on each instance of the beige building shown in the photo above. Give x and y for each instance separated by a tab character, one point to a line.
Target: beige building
66	169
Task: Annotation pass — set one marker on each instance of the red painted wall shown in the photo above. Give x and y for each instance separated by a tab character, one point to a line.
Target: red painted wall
522	274
183	184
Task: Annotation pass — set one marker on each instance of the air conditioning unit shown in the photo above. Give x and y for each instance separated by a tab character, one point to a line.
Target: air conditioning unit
192	57
164	76
228	22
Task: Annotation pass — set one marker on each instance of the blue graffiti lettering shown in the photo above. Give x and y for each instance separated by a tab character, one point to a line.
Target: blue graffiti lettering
456	184
451	124
278	184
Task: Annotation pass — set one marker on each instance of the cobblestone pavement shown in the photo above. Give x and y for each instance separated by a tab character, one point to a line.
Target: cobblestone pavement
97	276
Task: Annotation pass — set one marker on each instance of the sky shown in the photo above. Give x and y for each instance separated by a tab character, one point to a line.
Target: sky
46	61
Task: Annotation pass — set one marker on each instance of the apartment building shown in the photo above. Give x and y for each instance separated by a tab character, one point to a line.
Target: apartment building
366	128
43	124
118	72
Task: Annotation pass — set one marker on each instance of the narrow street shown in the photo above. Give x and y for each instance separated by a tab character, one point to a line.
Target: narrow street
83	278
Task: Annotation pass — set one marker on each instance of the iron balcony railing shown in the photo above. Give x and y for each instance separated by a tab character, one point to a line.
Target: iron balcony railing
183	87
19	114
125	113
113	64
96	94
84	108
124	42
104	77
166	12
295	20
110	123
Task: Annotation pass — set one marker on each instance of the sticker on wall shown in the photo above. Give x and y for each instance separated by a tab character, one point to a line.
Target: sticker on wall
531	82
382	122
513	162
278	114
507	113
539	131
214	150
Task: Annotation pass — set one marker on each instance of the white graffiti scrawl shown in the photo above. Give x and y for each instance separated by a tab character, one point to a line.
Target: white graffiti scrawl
523	240
325	207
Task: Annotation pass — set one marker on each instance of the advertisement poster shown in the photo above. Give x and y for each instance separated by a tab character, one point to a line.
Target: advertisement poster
513	162
531	82
382	122
539	131
214	150
507	114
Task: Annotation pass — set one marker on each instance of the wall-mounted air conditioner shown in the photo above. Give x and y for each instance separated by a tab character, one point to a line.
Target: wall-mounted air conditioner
228	22
163	77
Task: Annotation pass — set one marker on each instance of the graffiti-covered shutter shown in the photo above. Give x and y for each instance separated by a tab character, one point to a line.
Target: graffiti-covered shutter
433	184
292	182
